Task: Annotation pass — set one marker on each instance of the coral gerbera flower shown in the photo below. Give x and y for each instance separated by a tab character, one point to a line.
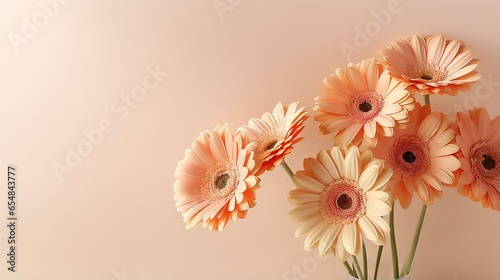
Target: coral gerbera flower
479	141
215	180
361	101
275	134
339	198
431	64
421	157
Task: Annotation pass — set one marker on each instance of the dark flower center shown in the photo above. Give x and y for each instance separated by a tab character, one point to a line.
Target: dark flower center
409	157
344	201
426	77
487	162
221	182
271	145
365	107
484	158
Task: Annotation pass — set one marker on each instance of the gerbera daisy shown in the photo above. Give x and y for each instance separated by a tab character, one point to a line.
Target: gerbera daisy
275	134
215	180
339	198
431	64
479	140
362	101
421	156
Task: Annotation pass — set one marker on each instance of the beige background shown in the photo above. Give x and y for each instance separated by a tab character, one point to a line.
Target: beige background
111	214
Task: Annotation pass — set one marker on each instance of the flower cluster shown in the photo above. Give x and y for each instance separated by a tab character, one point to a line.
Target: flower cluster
218	178
386	147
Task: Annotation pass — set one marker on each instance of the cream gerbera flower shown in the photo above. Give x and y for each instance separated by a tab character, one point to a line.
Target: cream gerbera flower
479	141
431	64
215	180
339	198
360	102
275	134
421	156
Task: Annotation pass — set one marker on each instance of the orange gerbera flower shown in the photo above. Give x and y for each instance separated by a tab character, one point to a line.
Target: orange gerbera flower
479	140
216	180
275	134
361	102
340	198
431	64
421	156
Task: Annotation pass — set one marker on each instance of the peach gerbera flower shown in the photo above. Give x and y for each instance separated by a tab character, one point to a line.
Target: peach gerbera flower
421	156
215	180
339	198
431	64
275	134
360	102
479	140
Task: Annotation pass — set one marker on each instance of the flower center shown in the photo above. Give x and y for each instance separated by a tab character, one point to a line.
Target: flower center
488	163
426	77
427	71
271	145
220	181
409	155
266	142
483	160
342	202
364	106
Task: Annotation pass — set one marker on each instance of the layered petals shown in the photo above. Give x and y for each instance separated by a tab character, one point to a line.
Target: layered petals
479	141
421	156
361	102
340	198
275	134
216	182
431	64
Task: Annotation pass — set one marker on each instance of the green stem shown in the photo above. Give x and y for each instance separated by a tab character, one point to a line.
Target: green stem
287	168
349	269
365	261
427	99
379	256
356	267
413	249
394	249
